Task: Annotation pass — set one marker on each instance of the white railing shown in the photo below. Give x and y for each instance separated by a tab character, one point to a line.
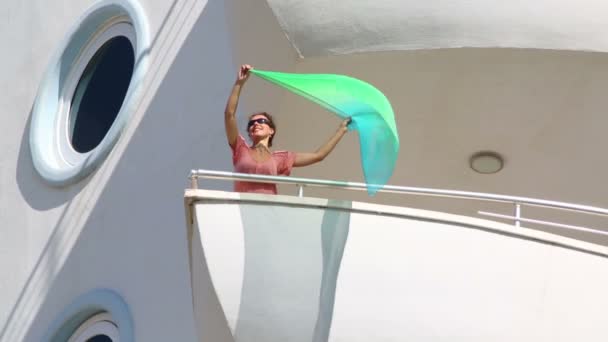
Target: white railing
517	201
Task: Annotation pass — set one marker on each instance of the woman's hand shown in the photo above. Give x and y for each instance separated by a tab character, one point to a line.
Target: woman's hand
344	124
243	73
232	131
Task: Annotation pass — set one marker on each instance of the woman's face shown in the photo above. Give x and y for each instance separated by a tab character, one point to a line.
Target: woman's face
258	129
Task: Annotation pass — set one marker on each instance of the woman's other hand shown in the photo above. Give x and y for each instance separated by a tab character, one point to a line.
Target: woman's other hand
344	124
243	73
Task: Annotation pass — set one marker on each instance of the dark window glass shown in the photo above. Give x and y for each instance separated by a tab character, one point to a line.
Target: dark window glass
100	93
99	338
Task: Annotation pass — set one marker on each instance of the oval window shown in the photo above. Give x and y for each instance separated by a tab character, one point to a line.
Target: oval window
99	328
100	93
100	338
89	91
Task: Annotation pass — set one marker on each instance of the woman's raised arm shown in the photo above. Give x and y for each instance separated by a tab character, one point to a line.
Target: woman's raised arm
305	159
232	130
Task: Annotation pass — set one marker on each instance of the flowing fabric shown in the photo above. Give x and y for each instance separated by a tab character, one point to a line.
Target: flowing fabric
371	113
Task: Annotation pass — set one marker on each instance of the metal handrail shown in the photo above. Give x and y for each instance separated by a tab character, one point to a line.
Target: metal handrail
517	201
300	182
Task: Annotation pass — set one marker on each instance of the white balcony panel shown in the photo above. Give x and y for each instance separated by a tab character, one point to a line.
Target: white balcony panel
302	269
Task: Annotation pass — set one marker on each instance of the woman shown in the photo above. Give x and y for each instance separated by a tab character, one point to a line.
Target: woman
258	158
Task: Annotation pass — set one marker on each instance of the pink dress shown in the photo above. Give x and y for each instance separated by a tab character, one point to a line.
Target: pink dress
279	164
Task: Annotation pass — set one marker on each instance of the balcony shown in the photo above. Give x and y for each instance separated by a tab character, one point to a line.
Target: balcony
292	268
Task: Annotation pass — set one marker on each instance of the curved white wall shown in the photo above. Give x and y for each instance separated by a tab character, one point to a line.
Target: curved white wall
327	27
285	268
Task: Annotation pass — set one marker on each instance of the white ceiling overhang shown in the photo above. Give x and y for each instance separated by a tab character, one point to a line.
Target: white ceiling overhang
335	27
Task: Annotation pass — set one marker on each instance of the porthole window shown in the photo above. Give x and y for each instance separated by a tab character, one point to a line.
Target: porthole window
96	91
100	338
89	92
100	315
100	93
98	328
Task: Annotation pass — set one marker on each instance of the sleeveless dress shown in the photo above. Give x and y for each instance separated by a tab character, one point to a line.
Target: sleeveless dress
279	163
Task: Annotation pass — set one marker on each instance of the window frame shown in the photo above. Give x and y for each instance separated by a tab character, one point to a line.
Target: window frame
118	27
53	156
99	324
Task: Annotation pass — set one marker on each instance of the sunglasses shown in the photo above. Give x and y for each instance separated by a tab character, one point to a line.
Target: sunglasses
259	121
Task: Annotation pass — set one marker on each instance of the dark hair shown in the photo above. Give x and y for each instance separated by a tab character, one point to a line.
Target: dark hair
270	123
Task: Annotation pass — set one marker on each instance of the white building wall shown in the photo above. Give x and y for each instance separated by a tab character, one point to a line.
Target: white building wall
121	228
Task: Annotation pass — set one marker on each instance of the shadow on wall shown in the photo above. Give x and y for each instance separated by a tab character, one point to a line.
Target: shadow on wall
334	233
34	190
43	274
292	259
211	323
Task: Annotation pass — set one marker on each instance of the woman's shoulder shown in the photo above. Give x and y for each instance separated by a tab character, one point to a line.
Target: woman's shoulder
239	149
283	155
240	142
284	161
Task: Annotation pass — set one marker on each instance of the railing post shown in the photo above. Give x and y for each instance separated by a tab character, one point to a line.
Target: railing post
517	215
193	181
300	190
